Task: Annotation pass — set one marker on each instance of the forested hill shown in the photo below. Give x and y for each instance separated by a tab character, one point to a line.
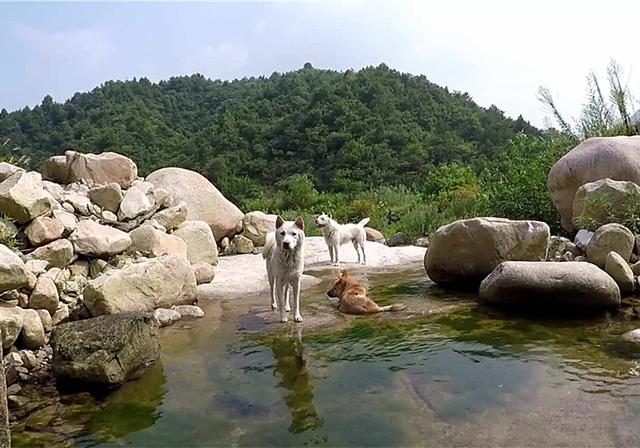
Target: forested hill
348	130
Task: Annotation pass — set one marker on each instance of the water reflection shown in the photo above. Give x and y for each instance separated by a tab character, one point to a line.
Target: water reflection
291	368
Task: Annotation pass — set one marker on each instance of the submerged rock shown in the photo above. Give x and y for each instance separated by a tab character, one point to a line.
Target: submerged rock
106	350
546	285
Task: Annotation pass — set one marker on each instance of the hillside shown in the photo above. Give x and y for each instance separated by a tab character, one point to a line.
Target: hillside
348	130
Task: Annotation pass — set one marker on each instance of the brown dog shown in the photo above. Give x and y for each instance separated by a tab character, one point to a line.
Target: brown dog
352	297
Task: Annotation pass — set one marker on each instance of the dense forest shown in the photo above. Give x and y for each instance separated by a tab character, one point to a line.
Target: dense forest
357	142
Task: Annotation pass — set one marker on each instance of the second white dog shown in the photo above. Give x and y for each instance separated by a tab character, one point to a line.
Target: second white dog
337	234
284	256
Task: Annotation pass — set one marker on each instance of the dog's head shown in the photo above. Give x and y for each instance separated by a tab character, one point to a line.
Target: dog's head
340	285
323	220
289	234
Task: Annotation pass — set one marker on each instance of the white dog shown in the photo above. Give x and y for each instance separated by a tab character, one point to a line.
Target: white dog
337	234
284	255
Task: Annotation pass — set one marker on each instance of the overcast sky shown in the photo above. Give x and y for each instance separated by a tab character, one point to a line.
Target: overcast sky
498	51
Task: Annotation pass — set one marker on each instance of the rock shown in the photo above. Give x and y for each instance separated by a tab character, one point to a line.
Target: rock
43	230
29	359
106	350
11	321
422	242
620	271
635	268
97	267
468	250
593	159
157	283
204	201
224	243
242	244
189	311
549	285
58	253
568	256
96	240
32	335
45	318
256	225
632	336
61	315
375	235
79	268
558	244
97	169
571	247
397	239
170	218
134	204
13	272
610	237
108	196
155	243
109	216
7	170
68	220
14	358
68	207
55	169
166	316
37	266
45	295
80	202
201	245
23	198
203	272
603	201
55	191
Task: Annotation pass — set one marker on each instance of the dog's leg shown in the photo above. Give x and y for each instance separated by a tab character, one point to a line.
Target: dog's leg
330	253
356	246
274	304
280	291
362	243
296	301
287	293
336	261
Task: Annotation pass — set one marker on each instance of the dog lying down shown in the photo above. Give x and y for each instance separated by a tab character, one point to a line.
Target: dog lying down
352	297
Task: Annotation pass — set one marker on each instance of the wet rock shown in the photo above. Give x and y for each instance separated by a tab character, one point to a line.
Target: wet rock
166	316
620	271
608	238
96	240
192	311
549	285
157	283
106	350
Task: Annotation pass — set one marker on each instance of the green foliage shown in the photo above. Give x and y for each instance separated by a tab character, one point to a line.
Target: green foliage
8	232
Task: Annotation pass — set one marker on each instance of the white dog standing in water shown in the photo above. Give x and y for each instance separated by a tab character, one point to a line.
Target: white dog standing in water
337	234
284	255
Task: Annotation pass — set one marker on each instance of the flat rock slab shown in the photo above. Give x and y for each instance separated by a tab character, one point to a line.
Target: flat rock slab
239	275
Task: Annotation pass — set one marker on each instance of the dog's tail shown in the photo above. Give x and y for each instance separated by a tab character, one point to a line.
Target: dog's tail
394	307
364	222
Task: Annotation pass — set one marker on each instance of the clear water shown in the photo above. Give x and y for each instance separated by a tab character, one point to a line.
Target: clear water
447	373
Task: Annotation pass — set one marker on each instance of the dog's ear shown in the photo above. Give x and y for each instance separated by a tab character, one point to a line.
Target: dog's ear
330	216
300	223
279	222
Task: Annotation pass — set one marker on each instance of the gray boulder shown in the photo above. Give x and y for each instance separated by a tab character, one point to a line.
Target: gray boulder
593	159
204	201
468	250
201	244
13	272
256	225
550	285
96	169
156	283
166	316
96	240
610	237
23	198
105	351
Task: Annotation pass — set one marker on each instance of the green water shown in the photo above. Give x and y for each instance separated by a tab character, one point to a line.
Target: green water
445	373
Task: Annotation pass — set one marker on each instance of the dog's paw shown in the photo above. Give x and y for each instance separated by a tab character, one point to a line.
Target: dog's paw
336	264
287	308
274	306
298	318
284	319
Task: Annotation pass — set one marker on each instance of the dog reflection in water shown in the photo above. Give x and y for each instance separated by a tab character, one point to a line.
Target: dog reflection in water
294	377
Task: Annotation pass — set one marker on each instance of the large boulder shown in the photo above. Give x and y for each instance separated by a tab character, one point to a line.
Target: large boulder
105	351
155	243
204	201
96	169
23	198
256	225
55	169
596	158
57	254
603	201
43	230
201	244
13	272
610	237
468	250
7	170
96	240
550	284
620	271
156	283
